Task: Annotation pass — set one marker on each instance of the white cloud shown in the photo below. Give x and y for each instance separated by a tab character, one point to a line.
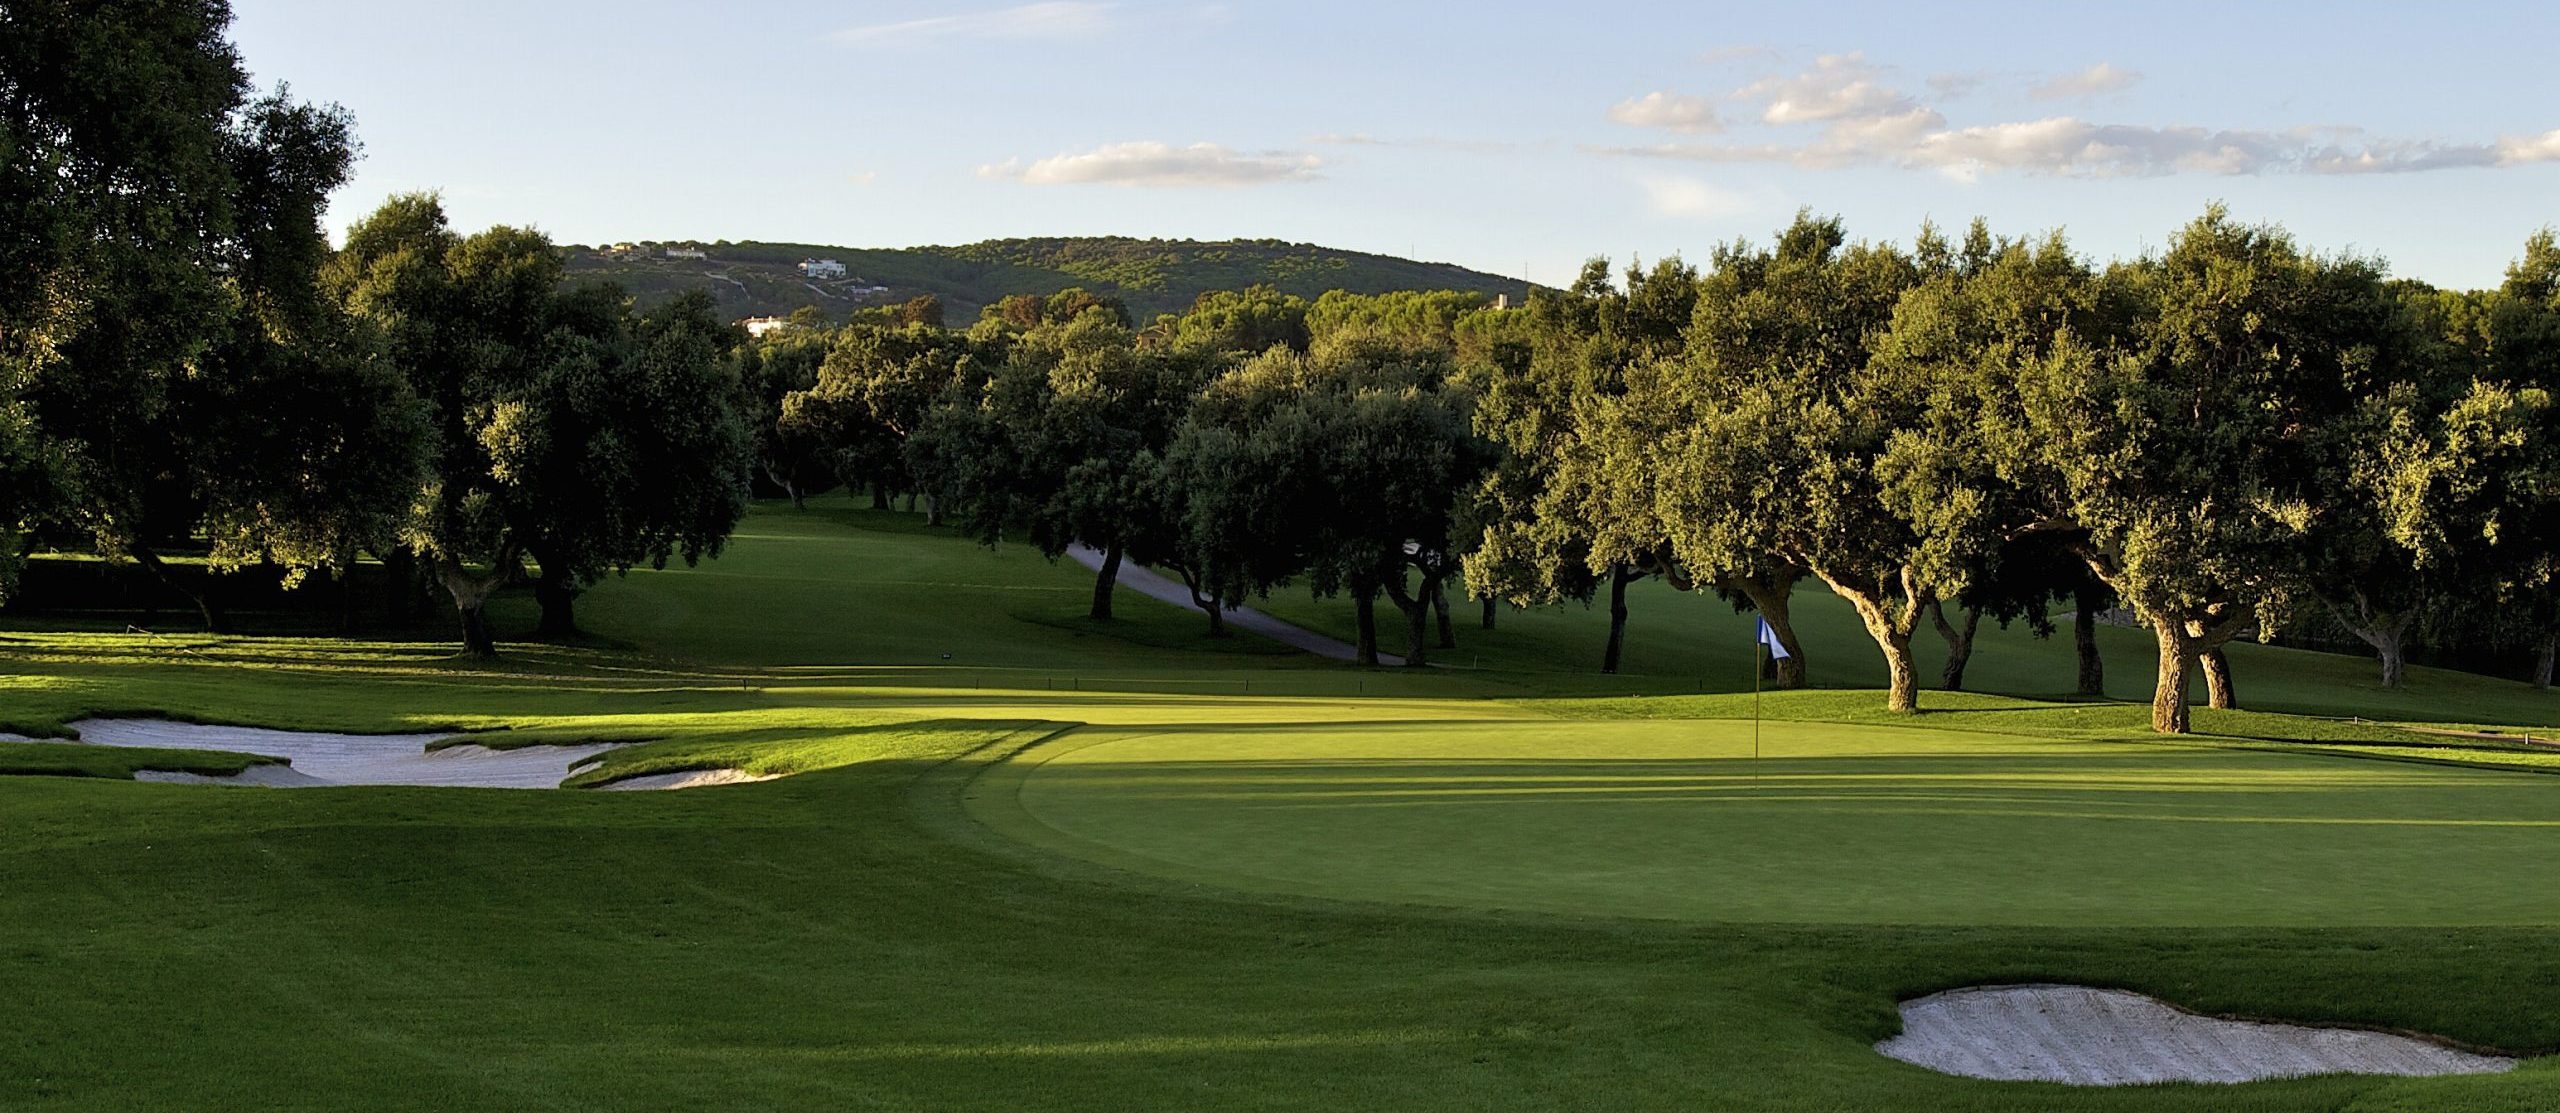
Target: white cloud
1693	199
1669	111
1841	113
2530	148
1050	19
2066	146
2104	77
1839	86
864	178
1161	165
1881	133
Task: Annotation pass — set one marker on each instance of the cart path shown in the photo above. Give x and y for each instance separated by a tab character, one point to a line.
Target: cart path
1146	581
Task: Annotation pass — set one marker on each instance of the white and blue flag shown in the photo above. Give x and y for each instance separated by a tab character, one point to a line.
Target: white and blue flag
1769	637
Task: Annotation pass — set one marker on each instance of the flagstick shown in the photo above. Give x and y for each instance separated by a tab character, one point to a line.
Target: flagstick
1759	651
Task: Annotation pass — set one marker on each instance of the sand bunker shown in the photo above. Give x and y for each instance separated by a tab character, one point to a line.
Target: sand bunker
689	778
321	760
344	759
261	776
2104	1037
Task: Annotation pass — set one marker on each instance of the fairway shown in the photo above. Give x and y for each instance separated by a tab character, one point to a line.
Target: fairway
1836	823
1078	866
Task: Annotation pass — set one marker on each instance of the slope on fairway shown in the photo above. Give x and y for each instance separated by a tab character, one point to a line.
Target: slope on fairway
878	597
1688	642
1836	823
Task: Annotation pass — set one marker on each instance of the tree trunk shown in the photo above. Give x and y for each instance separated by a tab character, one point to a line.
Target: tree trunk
1364	606
1959	643
1216	611
477	641
557	593
2394	651
781	478
879	495
2217	680
2084	635
1772	599
1902	674
1892	631
559	600
1902	695
471	598
1440	611
2169	692
2543	658
1104	580
1615	654
911	502
1417	617
1488	612
205	605
932	511
2387	631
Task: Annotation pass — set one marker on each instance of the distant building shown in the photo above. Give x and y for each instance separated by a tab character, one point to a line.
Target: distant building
821	268
758	326
686	253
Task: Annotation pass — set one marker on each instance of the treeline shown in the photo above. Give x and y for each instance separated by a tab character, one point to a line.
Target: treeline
187	365
2221	437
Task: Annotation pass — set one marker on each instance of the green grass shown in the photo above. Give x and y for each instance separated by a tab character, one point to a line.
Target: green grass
1247	881
67	759
776	753
1833	824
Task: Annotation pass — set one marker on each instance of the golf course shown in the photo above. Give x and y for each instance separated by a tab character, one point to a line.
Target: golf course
1011	857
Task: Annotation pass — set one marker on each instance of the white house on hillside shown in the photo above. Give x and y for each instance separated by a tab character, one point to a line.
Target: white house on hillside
758	326
821	268
686	253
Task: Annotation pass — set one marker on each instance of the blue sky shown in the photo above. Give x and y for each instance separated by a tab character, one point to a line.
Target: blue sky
1509	137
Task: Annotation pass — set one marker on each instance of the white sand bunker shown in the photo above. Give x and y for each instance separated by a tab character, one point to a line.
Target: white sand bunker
344	759
688	778
2105	1037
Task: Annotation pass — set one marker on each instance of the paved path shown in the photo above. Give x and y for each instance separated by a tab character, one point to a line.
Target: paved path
1144	581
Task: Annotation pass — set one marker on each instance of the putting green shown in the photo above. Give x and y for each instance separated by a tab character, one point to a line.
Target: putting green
1835	823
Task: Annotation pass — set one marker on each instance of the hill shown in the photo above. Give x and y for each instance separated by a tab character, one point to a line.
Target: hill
1152	276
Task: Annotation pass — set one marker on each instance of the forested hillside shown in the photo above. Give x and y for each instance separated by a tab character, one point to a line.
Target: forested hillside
1150	276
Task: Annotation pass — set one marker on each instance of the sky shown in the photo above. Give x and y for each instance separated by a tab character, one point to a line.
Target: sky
1516	138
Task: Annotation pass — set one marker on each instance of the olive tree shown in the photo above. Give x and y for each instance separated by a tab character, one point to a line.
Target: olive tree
2178	446
562	426
1544	503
